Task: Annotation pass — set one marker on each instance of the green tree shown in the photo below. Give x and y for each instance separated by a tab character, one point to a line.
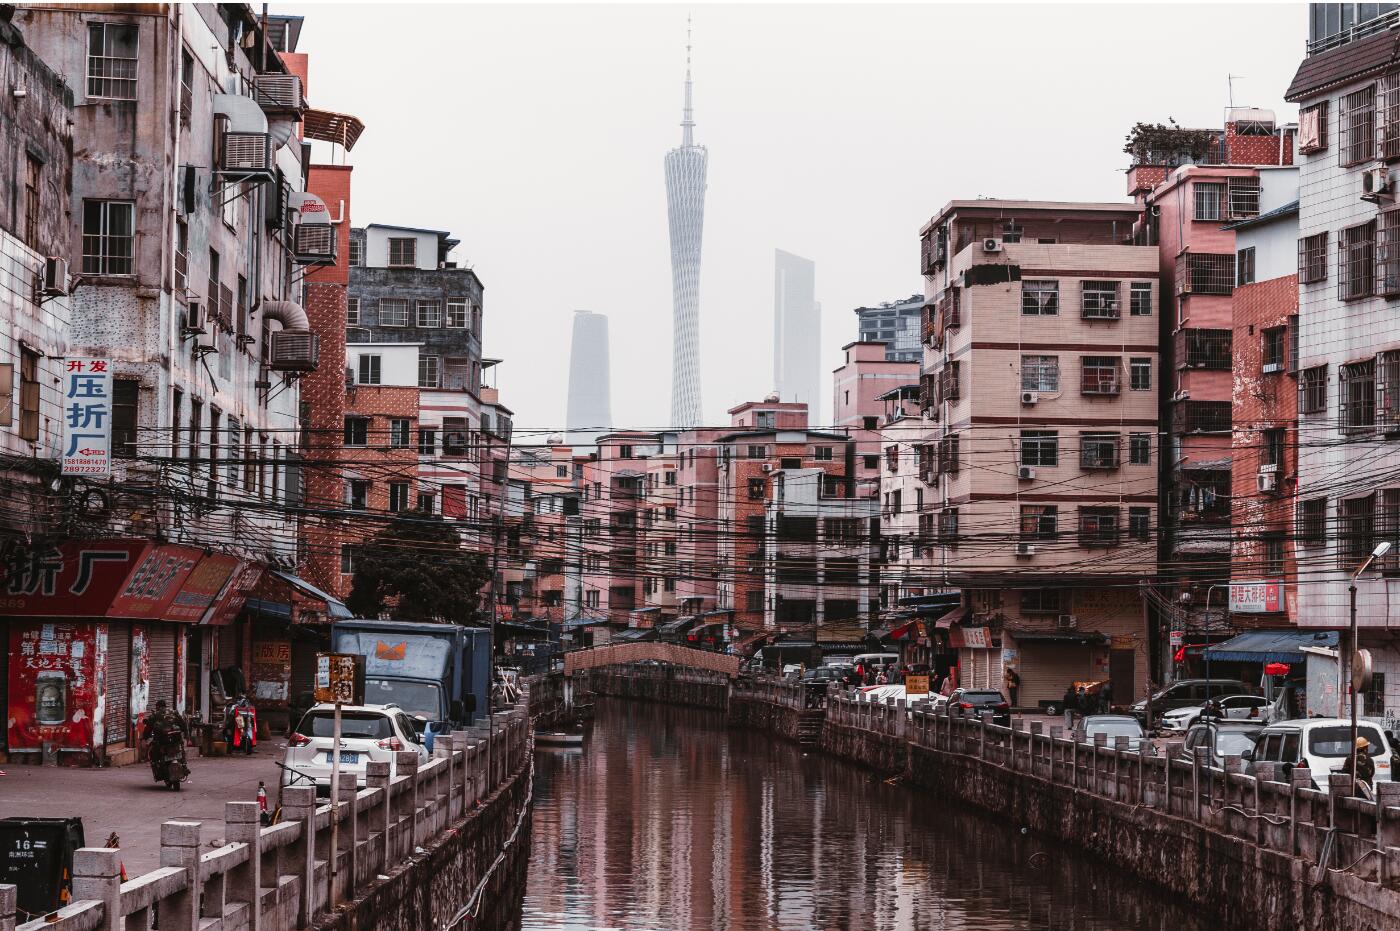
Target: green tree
416	569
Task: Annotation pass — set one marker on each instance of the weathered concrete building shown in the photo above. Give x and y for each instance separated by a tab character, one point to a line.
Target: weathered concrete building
859	386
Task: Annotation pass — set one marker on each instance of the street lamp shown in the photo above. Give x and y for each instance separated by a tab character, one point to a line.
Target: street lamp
1381	549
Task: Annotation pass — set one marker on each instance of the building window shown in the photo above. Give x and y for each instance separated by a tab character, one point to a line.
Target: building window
1312	390
1040	448
108	235
948	525
1140	374
872	462
790	462
403	252
1356	408
1210	196
1011	232
1244	266
1039	521
356	431
1271	451
428	371
347	559
756	486
1099	300
1139	449
111	61
352	311
28	394
1040	298
369	370
427	502
1356	262
1312	132
1040	373
398	496
753	600
393	312
1205	273
1356	123
1140	299
182	255
429	314
1140	524
1098	375
357	251
457	314
1312	258
1244	198
1356	528
357	493
756	452
1098	450
124	417
1041	601
1388	250
1388	390
669	513
821	453
1098	526
399	428
1373	698
1273	350
427	441
1312	521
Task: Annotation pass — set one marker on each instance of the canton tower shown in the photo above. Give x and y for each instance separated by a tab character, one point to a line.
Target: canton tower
685	207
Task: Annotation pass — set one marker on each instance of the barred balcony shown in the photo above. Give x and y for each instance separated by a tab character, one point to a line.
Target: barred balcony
1199	348
1205	273
1201	417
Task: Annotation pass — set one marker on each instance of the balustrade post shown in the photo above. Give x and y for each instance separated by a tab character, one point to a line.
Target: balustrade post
299	804
243	883
1074	760
1056	732
462	745
1198	762
1299	778
381	819
1096	776
407	765
1338	787
1387	830
349	834
9	895
179	847
1037	737
97	874
444	748
1120	747
983	720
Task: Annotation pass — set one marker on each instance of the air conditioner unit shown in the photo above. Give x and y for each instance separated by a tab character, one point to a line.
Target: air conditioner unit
55	277
246	157
1375	184
1030	397
278	93
991	245
196	319
1266	482
314	244
295	351
768	467
1067	621
207	340
1182	395
1025	473
1025	549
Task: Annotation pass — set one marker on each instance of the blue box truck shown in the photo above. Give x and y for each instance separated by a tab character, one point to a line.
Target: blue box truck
439	671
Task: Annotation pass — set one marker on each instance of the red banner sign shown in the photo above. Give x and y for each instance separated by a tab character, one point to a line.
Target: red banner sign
75	579
154	583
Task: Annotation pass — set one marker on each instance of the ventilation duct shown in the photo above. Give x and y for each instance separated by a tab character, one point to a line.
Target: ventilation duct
280	131
288	313
244	114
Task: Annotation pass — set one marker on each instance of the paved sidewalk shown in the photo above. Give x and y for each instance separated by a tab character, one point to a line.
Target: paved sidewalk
127	800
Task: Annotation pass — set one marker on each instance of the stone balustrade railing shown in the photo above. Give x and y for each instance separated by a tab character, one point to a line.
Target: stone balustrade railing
279	877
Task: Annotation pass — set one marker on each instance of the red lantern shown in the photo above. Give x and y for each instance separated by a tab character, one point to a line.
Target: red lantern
1277	669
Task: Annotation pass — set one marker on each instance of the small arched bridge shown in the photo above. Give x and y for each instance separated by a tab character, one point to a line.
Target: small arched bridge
622	653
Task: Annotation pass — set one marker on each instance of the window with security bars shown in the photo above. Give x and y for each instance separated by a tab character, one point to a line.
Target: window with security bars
1040	448
1388	529
1040	298
111	61
393	312
1312	390
109	231
457	315
1312	258
1039	521
949	454
403	252
1356	261
352	311
1356	530
1244	266
1098	375
1388	252
357	250
1312	521
1205	273
1388	390
1202	348
1388	116
182	255
1040	373
1098	526
429	371
1140	299
1244	198
1274	340
1140	374
1210	200
1356	407
1312	127
1356	126
948	525
1098	451
1139	449
1099	300
429	314
1140	524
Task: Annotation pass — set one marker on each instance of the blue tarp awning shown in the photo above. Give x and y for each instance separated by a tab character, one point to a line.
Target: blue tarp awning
335	609
1270	646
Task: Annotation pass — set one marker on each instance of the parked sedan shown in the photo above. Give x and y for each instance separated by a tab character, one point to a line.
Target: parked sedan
972	702
1111	726
1221	739
1234	707
367	733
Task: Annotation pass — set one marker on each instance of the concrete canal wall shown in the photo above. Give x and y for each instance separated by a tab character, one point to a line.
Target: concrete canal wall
1259	851
443	844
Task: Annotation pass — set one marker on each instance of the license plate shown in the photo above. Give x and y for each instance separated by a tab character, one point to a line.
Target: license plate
346	756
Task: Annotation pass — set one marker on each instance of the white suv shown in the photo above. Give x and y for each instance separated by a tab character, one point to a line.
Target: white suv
367	732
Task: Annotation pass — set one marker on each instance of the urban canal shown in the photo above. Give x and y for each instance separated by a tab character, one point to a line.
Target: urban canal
668	820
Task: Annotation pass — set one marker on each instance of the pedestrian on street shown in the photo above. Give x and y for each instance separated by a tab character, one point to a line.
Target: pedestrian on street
1071	703
1106	697
1365	768
1082	706
1013	684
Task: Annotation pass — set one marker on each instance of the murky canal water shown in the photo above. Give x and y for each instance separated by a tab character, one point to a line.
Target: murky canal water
669	821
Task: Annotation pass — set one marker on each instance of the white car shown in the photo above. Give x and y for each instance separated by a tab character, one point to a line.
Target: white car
1235	708
367	733
1323	745
881	693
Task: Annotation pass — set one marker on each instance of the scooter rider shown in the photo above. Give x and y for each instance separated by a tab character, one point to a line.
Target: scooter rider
161	718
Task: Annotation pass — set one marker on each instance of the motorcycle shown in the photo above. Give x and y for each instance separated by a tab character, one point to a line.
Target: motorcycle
241	725
168	757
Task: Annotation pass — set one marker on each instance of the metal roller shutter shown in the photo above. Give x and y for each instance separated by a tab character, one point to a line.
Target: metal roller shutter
161	638
118	680
1048	668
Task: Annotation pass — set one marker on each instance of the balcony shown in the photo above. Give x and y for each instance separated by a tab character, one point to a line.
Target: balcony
1201	417
949	311
1205	273
1208	349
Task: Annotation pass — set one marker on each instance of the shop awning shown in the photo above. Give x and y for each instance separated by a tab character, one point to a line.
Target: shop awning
634	634
951	618
1270	646
335	609
1056	636
675	628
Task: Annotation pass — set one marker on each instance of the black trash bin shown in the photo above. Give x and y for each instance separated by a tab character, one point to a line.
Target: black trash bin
36	854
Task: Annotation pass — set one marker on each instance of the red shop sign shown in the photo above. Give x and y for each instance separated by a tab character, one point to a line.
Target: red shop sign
75	579
154	583
235	594
201	588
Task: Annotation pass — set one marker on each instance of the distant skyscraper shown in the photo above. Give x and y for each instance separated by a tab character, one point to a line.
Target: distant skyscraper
685	206
590	380
797	333
896	324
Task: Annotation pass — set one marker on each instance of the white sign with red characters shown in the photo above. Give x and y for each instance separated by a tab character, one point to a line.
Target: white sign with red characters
1256	597
87	417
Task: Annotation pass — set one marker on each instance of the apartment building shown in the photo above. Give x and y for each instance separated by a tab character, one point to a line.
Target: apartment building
612	487
1348	494
548	590
1041	450
908	526
897	325
1264	455
859	385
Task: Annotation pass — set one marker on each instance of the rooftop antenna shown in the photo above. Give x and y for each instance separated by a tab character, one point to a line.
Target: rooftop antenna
688	119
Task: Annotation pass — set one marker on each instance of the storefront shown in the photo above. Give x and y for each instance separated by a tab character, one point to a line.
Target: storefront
288	621
1049	662
979	657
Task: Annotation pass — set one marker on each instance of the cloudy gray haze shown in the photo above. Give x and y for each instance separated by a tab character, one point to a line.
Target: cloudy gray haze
536	134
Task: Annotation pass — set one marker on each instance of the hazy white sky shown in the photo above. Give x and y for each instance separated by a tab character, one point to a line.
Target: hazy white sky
536	134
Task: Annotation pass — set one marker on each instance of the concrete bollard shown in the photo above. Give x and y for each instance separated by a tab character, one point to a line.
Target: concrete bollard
381	819
406	766
179	847
97	874
445	748
349	833
1339	786
1299	778
299	804
8	896
243	883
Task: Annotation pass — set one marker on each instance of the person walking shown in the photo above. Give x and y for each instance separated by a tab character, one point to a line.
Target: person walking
1071	705
1106	697
1012	679
1365	768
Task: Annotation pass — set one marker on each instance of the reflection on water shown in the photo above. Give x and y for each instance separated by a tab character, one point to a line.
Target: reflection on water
669	821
